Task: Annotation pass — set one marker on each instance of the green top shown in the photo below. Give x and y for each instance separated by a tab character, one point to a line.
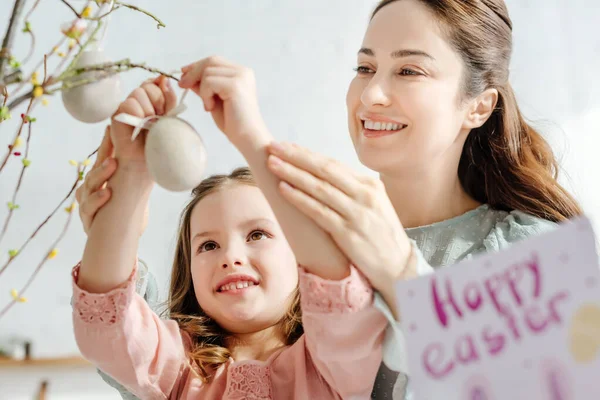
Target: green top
443	243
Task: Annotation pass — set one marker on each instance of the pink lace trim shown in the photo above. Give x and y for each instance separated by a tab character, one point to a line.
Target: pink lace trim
324	296
249	382
101	308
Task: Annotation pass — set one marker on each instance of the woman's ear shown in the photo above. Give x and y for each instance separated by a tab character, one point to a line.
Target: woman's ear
481	108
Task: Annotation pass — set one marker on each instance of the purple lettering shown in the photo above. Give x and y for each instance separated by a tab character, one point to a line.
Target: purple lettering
512	325
473	296
440	304
437	351
534	267
495	342
513	276
465	350
561	296
493	286
534	320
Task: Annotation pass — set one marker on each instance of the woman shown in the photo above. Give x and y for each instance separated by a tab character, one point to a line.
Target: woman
432	111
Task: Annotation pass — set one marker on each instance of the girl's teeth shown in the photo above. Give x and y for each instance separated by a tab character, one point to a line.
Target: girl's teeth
236	285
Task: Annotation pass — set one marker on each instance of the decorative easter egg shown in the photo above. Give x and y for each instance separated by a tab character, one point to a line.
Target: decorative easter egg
96	101
175	154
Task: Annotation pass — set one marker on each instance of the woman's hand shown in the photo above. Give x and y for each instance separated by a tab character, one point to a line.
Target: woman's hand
93	193
229	94
355	210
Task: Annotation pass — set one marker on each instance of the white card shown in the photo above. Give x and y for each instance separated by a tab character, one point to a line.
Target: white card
523	323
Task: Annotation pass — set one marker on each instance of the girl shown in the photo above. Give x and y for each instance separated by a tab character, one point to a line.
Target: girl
432	111
234	330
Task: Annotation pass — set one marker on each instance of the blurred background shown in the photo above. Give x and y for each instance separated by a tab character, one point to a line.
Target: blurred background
303	53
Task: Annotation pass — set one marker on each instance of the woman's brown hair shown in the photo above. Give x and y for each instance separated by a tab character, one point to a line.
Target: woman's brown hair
505	163
208	349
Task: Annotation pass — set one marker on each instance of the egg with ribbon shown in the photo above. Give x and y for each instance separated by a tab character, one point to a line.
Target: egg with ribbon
175	154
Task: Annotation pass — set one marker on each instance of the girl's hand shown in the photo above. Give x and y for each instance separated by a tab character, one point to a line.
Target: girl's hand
229	94
355	210
93	194
155	97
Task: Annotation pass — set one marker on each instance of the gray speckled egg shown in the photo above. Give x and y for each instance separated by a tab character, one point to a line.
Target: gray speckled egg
175	154
93	102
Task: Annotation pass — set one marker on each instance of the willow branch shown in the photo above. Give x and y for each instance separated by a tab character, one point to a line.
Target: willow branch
5	50
20	180
17	135
136	8
46	257
65	2
109	68
48	218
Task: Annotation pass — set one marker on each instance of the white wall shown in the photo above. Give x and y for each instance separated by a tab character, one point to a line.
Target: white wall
303	53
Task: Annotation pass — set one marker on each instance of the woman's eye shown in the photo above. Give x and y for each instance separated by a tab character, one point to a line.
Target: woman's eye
257	235
363	70
207	246
409	72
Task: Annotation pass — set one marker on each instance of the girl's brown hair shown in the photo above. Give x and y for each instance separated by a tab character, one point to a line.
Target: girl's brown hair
505	163
208	349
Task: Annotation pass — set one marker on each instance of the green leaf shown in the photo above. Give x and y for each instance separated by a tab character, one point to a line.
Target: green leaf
4	113
12	206
12	61
27	27
26	162
13	253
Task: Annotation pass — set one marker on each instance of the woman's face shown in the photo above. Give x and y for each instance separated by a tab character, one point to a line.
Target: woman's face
404	108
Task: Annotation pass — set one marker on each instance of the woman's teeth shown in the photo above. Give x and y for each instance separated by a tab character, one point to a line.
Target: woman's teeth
236	285
382	126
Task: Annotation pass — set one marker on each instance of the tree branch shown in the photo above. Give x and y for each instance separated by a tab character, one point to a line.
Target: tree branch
5	51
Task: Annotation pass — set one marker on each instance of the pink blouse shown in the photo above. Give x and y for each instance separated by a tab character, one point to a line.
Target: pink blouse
337	357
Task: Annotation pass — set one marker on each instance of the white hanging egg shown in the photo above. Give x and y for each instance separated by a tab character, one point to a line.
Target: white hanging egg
92	102
175	154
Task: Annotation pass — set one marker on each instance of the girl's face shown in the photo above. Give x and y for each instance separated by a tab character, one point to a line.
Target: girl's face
404	109
243	269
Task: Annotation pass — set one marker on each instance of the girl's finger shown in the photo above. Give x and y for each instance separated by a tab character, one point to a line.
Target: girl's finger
156	97
327	169
168	93
141	97
214	86
91	205
106	148
320	190
97	177
194	74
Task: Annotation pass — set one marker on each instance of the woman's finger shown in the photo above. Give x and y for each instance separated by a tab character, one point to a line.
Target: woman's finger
326	218
320	166
317	188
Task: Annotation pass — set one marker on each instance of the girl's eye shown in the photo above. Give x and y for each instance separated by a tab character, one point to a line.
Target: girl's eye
363	70
208	246
257	235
